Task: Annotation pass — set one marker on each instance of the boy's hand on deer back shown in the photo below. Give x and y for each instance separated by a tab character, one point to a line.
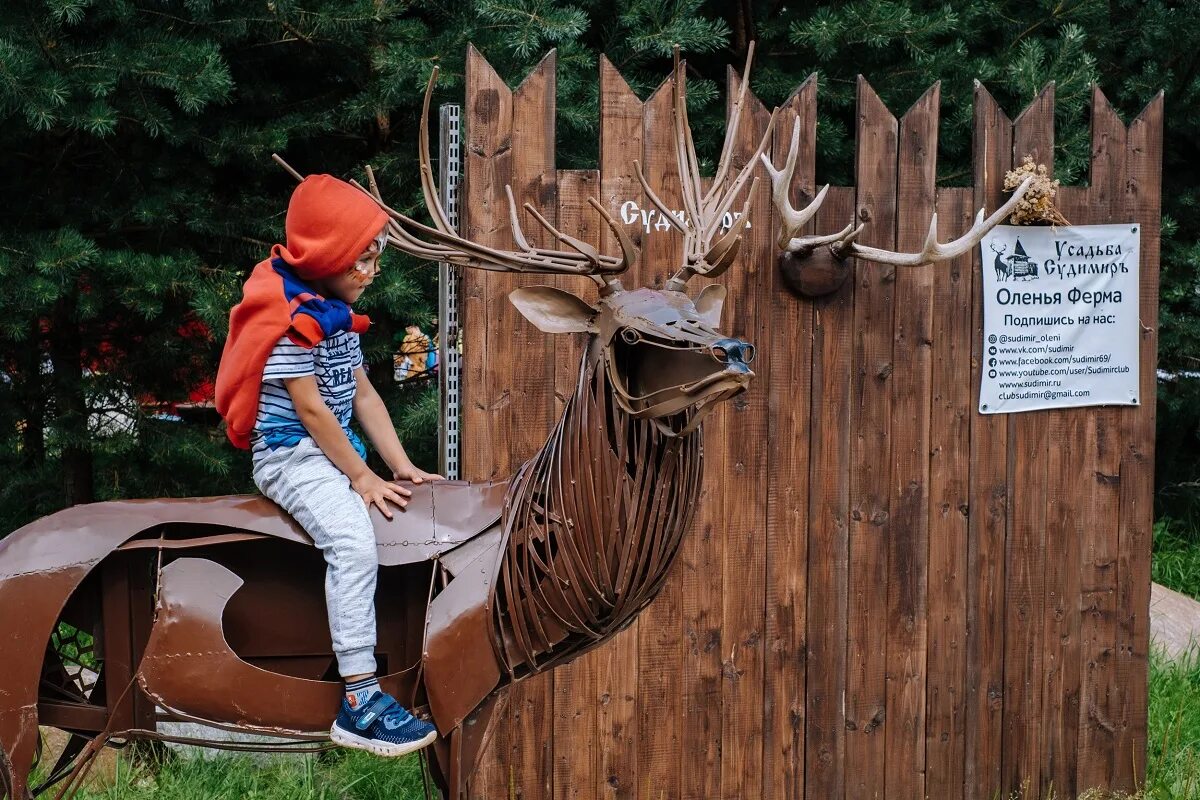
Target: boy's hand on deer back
375	491
410	472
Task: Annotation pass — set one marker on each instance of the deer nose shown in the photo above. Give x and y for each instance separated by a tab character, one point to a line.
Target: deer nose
732	351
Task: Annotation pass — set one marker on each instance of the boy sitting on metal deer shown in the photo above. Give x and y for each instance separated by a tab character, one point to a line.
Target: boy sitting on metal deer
189	601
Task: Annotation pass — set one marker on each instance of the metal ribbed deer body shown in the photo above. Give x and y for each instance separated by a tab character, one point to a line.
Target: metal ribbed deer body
211	609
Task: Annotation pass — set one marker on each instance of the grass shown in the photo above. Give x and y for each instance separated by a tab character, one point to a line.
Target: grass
339	775
1173	758
1176	562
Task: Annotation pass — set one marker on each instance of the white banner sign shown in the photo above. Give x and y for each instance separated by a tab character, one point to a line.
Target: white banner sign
1060	317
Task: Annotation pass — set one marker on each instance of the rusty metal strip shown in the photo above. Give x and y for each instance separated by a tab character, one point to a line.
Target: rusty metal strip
196	541
598	457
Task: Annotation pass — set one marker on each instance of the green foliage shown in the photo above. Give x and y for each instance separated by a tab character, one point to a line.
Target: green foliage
1177	475
1173	738
1176	562
137	136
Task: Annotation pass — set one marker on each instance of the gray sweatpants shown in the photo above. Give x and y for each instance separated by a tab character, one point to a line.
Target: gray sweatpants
318	496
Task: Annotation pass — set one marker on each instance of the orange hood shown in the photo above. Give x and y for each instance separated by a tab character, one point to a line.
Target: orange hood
329	225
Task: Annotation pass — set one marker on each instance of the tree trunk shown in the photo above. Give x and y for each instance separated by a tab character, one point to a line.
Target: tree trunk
71	414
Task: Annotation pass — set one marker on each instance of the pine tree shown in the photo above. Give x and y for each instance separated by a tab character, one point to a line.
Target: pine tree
136	139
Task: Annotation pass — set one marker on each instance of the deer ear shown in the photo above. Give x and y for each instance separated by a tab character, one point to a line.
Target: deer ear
709	303
553	310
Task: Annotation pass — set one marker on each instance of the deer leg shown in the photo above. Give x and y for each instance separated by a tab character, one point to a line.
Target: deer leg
65	762
467	743
439	765
18	743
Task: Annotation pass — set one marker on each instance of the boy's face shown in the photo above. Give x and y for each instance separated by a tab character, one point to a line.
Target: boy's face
350	285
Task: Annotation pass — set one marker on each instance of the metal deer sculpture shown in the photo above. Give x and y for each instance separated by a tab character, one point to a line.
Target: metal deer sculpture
116	615
811	270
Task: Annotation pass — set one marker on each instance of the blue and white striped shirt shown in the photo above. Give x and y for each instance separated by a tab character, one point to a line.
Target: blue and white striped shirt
332	362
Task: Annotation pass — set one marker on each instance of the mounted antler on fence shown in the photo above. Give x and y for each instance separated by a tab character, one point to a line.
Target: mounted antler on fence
813	275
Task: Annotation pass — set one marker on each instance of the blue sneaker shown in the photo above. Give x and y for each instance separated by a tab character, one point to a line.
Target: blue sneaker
381	726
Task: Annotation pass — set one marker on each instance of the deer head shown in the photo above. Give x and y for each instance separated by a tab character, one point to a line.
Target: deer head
664	355
813	276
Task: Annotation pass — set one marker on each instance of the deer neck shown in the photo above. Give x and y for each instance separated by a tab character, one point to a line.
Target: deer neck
593	523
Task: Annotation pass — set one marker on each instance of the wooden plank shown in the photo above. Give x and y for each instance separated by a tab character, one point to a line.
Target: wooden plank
746	467
660	646
487	168
702	577
870	448
576	689
1143	205
1069	520
988	506
787	480
949	502
702	581
617	661
521	405
1102	202
1067	489
528	367
908	542
825	723
1033	134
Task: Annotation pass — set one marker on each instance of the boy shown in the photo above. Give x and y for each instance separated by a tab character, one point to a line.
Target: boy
291	376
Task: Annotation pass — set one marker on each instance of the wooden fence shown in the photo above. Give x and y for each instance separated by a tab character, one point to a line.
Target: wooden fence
885	594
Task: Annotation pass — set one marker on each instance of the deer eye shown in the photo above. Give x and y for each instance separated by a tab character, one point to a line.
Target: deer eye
630	336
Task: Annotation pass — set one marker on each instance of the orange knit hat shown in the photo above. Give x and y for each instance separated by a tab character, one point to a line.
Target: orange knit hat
329	224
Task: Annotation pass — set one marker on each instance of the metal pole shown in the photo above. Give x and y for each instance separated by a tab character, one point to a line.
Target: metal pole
449	339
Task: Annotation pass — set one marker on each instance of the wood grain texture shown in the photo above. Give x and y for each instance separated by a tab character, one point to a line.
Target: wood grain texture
486	390
950	413
702	577
1102	201
908	540
660	644
1143	205
870	451
617	662
825	722
523	360
487	169
787	483
1033	134
577	696
746	426
989	503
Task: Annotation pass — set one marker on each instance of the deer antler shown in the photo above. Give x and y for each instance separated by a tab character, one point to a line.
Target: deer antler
932	250
704	210
442	243
842	243
793	222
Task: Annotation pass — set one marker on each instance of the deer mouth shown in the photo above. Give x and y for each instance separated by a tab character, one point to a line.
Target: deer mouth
659	381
